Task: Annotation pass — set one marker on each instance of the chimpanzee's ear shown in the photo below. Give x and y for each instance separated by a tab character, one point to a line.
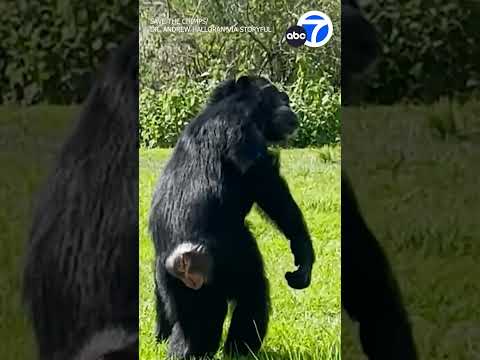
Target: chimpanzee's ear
243	82
250	86
360	43
248	149
225	89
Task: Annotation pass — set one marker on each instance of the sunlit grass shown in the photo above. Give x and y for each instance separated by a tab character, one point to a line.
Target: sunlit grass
305	325
414	169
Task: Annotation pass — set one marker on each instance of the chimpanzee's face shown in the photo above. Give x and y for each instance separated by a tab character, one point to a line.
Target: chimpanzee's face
279	120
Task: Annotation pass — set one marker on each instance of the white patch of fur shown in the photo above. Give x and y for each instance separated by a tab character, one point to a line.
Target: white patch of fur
185	247
181	249
104	342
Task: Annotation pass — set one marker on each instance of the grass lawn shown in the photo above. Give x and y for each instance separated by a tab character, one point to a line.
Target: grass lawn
29	138
416	171
418	186
305	325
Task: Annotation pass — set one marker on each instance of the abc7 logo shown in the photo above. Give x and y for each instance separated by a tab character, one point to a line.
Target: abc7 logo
314	29
296	36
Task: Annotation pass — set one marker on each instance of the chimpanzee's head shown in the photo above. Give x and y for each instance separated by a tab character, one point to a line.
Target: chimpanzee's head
270	107
360	46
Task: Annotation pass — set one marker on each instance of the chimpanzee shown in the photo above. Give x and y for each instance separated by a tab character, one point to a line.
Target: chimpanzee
370	293
81	272
205	253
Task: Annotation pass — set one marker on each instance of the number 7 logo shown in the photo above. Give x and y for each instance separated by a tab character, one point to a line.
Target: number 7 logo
318	26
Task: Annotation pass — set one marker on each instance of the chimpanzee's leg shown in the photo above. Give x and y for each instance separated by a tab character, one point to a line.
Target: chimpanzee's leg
128	353
370	293
163	327
250	317
198	329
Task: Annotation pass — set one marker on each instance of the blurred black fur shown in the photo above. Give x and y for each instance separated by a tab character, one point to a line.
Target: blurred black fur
370	293
360	49
81	274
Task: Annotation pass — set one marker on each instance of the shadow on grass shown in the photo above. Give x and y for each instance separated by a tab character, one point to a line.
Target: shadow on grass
286	355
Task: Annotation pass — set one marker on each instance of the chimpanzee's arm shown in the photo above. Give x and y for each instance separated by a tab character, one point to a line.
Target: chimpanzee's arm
272	195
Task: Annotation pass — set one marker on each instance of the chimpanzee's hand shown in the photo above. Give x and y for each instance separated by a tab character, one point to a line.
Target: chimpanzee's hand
304	259
300	278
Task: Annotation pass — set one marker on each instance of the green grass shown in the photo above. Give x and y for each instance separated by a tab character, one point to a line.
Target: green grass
305	325
29	138
419	195
415	170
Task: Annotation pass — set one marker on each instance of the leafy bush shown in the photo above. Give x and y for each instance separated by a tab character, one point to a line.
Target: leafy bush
200	55
317	104
429	48
310	76
164	114
50	48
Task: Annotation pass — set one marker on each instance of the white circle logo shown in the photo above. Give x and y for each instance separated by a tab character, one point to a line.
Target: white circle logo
318	26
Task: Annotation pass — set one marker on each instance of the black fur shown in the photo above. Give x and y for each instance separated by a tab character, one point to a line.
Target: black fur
81	274
370	293
219	168
360	49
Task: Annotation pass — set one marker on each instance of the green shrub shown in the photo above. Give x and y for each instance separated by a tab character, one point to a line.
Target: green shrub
317	104
50	48
164	114
310	76
216	56
429	48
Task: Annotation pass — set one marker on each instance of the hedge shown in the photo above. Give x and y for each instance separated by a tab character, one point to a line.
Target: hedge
170	99
164	114
430	49
50	49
